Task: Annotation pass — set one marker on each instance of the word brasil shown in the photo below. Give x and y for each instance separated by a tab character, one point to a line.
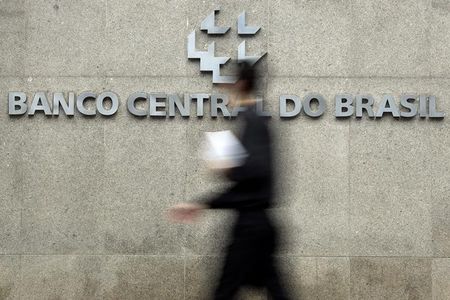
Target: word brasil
142	104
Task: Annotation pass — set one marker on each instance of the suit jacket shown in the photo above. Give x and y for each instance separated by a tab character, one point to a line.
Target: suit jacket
252	186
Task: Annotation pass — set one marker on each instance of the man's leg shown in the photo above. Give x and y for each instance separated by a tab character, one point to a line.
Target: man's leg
232	277
274	284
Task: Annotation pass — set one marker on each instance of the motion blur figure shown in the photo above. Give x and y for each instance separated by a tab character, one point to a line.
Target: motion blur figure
249	259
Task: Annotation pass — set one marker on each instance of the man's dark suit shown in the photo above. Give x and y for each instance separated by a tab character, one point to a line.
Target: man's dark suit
249	259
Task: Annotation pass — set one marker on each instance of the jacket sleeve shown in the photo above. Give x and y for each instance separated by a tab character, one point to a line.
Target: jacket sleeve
251	181
232	198
256	166
258	163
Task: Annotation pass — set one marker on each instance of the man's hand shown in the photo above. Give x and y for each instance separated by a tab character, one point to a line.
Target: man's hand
185	212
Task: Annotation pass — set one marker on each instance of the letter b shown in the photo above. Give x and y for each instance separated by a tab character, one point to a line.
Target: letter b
344	106
17	103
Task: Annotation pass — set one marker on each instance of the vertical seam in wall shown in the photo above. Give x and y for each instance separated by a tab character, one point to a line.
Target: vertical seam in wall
349	286
267	40
432	281
186	33
105	82
349	186
25	47
316	283
20	237
348	207
184	239
267	75
20	276
184	274
186	150
21	172
185	160
428	32
106	16
349	172
105	34
429	178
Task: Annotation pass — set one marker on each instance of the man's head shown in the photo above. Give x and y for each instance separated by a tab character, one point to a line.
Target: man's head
243	90
246	83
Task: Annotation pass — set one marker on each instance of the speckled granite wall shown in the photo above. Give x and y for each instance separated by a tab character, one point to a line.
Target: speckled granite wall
364	203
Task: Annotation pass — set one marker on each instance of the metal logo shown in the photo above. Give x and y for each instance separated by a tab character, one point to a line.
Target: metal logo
209	62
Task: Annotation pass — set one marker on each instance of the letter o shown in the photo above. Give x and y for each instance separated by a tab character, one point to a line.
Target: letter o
307	105
114	101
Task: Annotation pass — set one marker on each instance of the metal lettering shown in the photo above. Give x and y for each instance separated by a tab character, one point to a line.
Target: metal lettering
283	106
407	102
131	104
423	100
219	102
114	103
260	108
60	101
155	104
433	112
200	98
344	106
80	103
364	103
183	108
17	103
307	105
40	103
388	106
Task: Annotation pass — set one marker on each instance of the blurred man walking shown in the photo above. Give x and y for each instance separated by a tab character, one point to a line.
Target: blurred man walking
249	259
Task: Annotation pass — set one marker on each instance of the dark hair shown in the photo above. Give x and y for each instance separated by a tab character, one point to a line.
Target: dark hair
247	76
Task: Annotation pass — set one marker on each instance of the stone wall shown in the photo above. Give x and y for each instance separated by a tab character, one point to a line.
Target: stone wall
364	203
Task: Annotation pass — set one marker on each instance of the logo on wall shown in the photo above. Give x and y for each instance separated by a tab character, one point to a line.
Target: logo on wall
209	62
151	104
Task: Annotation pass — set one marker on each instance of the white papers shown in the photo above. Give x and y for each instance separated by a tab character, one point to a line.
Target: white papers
223	150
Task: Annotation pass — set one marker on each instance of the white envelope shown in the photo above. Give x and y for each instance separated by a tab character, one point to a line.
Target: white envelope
223	149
